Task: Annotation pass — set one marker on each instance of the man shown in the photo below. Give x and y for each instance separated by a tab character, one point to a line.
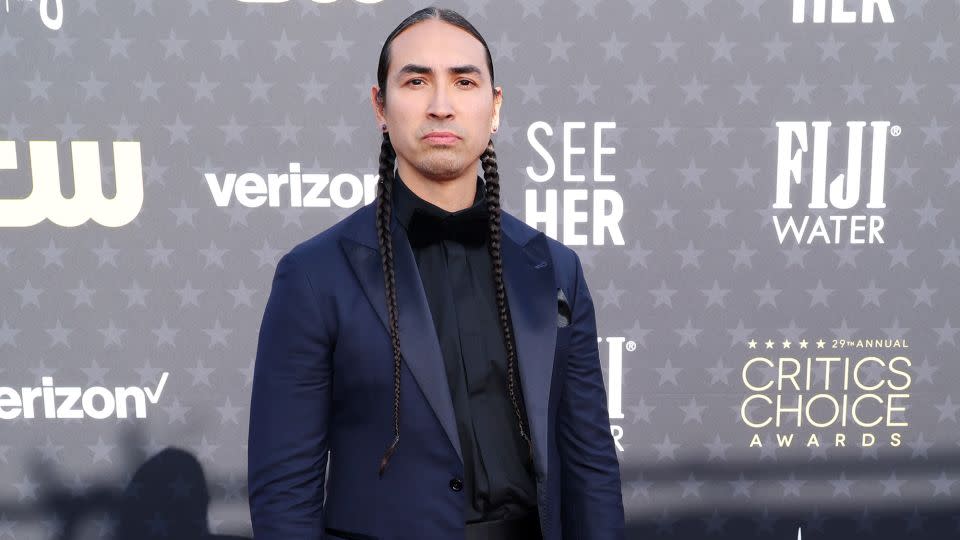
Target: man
485	323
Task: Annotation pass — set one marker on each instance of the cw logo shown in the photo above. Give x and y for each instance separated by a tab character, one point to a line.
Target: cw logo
314	1
46	199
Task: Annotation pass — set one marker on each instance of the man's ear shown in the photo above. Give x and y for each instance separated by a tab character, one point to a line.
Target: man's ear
497	102
377	105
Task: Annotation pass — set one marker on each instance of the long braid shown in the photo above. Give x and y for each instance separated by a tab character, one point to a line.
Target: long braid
384	212
492	179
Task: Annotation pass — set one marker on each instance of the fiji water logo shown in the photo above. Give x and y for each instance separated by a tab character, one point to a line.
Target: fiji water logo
849	221
613	349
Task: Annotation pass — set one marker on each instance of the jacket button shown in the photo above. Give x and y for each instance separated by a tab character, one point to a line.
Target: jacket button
456	484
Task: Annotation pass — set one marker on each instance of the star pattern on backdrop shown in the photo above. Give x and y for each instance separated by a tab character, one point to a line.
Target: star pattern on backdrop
694	87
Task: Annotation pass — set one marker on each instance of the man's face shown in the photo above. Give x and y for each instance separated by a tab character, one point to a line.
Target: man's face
438	81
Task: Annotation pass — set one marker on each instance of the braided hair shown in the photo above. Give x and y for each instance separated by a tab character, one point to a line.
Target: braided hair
488	161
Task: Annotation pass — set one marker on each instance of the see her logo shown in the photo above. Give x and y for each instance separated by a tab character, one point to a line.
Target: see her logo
839	13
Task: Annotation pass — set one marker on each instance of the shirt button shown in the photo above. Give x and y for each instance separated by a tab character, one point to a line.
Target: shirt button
456	484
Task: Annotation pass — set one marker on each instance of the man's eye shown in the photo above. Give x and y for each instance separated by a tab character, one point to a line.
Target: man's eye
468	81
412	80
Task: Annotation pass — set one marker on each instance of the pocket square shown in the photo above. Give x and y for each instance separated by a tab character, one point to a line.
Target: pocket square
563	309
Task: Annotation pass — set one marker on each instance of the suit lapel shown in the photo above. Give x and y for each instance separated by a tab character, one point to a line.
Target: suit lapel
419	344
531	293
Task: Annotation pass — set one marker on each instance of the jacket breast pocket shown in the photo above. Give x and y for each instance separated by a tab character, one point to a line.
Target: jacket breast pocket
564	314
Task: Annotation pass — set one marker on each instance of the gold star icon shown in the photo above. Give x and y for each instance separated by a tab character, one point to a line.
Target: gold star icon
752	344
786	344
803	344
820	343
769	343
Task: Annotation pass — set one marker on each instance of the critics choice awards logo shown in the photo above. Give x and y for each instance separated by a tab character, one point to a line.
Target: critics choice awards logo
839	392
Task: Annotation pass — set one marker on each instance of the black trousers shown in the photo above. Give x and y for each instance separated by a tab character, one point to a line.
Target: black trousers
524	528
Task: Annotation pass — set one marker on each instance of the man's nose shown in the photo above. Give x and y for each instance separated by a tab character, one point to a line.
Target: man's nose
440	105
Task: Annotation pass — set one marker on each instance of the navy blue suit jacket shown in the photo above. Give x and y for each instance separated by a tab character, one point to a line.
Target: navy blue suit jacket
323	381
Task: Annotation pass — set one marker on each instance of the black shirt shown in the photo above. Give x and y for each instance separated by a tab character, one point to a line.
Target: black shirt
458	281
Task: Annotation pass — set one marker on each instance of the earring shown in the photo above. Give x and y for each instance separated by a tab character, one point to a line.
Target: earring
383	127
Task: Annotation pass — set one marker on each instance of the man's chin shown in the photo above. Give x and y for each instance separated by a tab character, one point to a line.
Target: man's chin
441	171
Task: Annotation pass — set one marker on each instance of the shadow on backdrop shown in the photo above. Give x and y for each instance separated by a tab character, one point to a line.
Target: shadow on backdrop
168	497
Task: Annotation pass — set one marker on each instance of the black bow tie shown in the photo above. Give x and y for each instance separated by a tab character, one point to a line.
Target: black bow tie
469	226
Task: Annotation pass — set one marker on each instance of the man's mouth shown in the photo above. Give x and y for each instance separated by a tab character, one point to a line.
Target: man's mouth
441	137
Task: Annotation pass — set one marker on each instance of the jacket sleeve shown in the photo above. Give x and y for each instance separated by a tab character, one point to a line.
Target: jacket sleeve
591	496
289	410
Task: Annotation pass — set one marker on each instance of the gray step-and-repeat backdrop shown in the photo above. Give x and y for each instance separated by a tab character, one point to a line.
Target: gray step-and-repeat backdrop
763	193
